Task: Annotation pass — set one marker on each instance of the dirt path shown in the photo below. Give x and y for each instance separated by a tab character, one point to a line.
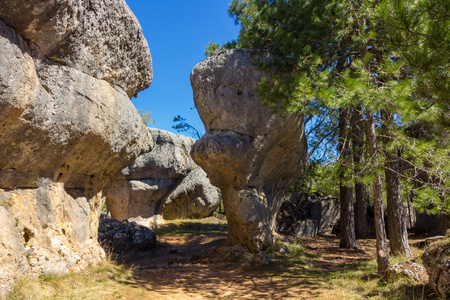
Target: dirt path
174	271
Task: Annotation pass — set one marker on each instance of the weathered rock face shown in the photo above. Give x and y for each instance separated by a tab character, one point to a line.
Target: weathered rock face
140	191
47	230
410	269
249	153
195	197
436	260
324	210
436	224
101	38
123	236
67	71
307	215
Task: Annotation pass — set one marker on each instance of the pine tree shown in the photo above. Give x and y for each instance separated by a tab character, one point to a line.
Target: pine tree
336	55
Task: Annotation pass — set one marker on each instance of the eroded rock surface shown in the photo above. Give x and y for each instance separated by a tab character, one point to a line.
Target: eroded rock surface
324	211
123	236
249	153
195	197
436	260
101	38
139	193
67	71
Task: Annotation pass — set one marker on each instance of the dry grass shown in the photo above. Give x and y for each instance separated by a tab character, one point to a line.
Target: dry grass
315	269
107	280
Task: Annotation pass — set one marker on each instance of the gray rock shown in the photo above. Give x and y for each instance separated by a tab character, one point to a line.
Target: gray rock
100	38
287	216
59	123
48	230
410	269
324	210
195	197
67	71
249	153
432	224
436	260
124	236
285	250
141	189
302	207
304	228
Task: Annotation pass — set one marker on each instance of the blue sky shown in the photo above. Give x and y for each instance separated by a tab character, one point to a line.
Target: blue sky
177	32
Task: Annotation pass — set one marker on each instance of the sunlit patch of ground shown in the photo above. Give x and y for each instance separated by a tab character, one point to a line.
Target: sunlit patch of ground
316	269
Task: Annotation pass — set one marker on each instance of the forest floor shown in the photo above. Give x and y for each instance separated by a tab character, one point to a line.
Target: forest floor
316	269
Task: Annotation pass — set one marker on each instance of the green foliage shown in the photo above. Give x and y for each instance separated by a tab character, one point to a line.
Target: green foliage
146	117
214	48
317	178
336	55
207	226
183	126
211	49
419	31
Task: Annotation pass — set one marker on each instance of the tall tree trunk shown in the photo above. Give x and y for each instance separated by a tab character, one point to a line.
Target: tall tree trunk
381	244
396	216
347	225
361	196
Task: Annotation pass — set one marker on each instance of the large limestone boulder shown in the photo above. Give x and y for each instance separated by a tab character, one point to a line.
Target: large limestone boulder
67	71
195	198
101	38
249	153
141	189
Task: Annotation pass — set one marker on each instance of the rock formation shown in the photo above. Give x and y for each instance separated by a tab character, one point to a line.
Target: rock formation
195	197
140	191
67	71
436	260
249	153
307	215
124	236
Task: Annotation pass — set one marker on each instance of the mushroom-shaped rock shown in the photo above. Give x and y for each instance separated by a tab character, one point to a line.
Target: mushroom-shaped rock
195	197
252	155
67	126
140	191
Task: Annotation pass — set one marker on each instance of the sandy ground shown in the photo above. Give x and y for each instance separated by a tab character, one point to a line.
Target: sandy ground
174	271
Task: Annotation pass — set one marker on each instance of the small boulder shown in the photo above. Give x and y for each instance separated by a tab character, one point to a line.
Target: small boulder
409	269
195	197
307	214
286	217
324	210
124	236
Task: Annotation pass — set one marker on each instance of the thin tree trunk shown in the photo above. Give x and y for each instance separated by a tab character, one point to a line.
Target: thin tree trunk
396	217
347	225
381	243
361	196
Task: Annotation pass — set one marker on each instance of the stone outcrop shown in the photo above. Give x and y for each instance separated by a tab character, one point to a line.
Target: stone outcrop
101	38
249	153
307	215
431	224
139	192
124	236
409	269
67	71
195	197
436	260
